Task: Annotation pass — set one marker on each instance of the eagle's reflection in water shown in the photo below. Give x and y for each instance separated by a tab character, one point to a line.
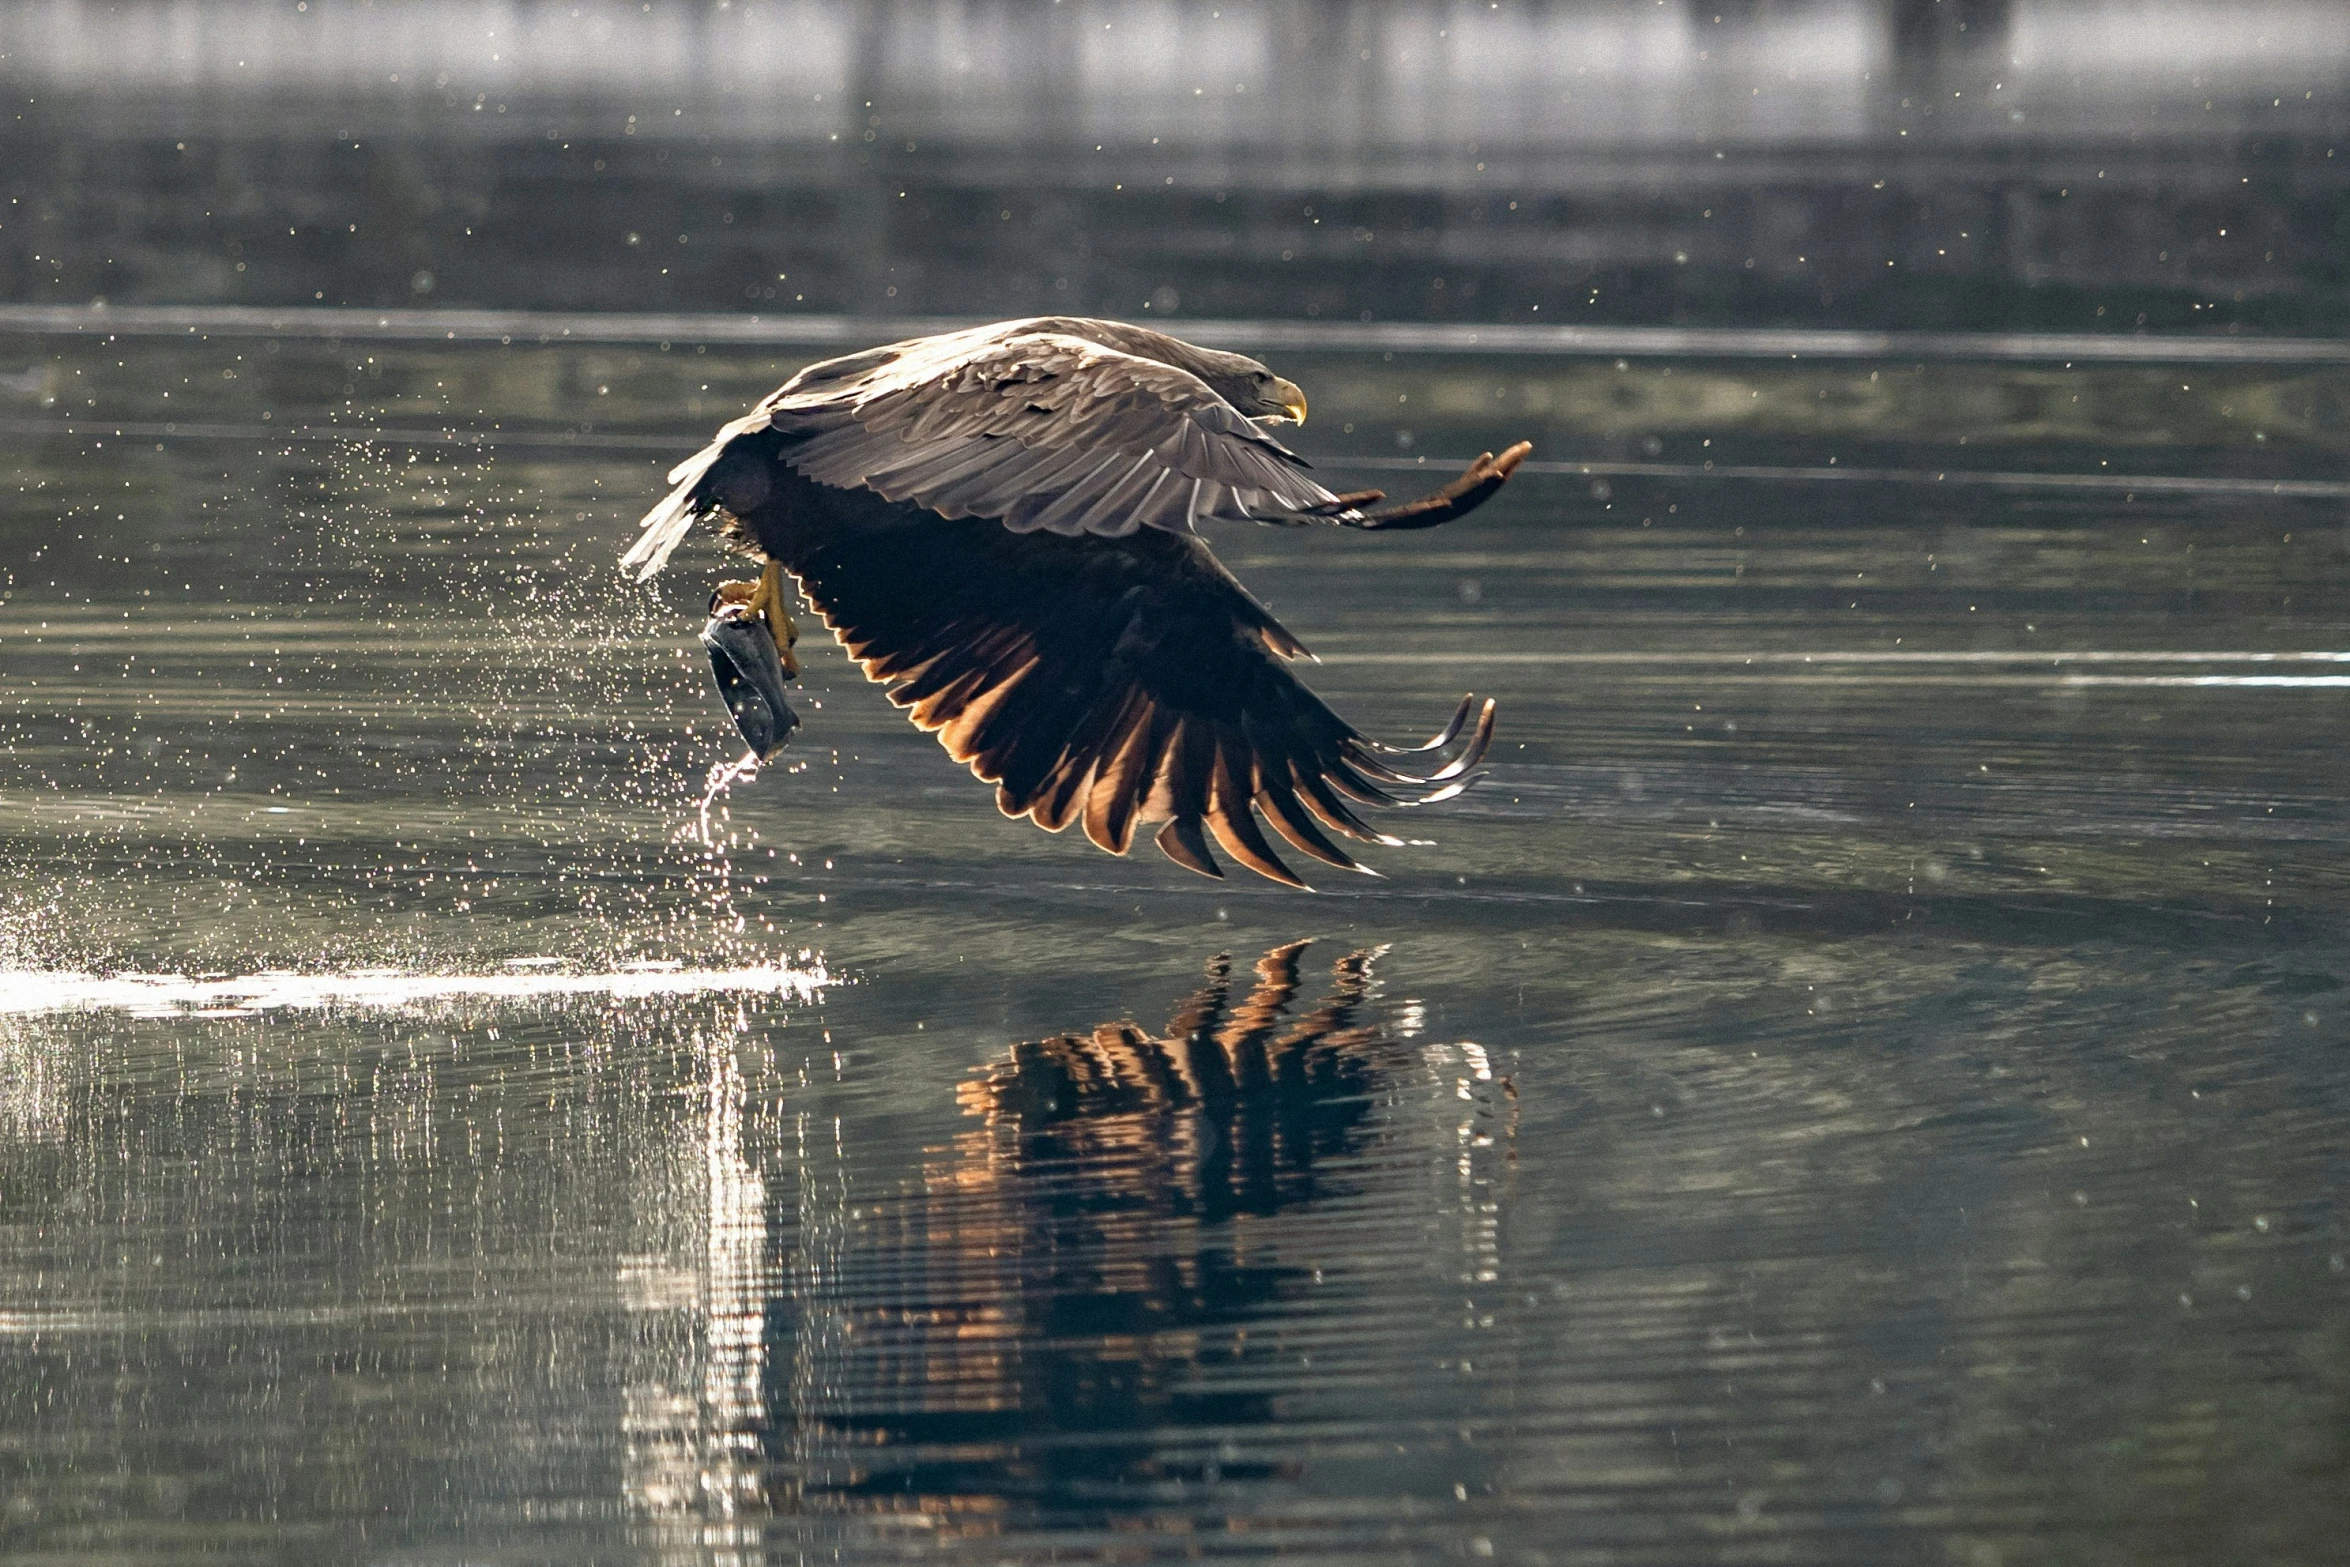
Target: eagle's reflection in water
1225	1113
1052	1328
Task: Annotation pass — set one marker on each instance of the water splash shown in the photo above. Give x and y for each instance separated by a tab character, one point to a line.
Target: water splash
722	778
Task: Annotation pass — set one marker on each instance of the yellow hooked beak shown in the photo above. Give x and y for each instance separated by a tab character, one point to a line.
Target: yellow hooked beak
1289	397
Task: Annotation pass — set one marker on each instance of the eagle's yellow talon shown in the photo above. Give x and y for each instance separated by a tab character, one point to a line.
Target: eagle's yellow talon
769	602
766	597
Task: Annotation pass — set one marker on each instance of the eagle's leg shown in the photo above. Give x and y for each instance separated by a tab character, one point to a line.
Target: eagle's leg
765	597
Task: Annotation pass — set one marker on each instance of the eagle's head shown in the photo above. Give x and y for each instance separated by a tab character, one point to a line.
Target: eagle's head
1241	381
1245	384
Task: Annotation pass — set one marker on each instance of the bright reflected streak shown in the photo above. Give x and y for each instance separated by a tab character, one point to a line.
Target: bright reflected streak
24	991
2207	680
1961	656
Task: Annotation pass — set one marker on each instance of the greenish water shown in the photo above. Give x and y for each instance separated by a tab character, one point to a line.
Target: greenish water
1863	1080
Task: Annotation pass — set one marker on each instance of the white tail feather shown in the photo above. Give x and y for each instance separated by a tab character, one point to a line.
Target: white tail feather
667	524
665	527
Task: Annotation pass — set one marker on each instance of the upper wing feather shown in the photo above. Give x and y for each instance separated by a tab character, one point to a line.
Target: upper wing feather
1040	429
1043	431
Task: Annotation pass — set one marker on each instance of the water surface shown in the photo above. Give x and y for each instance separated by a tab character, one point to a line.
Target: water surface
1861	1081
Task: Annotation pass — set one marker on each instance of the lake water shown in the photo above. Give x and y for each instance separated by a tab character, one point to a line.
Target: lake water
1864	1080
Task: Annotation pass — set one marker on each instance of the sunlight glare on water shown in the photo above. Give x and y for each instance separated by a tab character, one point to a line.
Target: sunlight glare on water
168	995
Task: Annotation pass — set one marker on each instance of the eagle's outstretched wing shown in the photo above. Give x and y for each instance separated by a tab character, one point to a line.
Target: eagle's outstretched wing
1112	683
1039	430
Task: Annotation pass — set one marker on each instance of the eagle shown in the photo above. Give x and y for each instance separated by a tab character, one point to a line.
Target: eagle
1000	525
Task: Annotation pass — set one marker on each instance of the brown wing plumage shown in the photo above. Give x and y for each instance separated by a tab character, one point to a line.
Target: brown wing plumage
1047	431
1034	427
1110	683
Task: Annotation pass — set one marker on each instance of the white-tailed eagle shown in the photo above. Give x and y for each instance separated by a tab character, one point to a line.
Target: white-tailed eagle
998	524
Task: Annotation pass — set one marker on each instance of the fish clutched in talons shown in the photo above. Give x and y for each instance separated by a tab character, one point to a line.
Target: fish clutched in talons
764	598
749	639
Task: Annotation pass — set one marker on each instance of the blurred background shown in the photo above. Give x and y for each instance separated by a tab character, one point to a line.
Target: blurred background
2089	165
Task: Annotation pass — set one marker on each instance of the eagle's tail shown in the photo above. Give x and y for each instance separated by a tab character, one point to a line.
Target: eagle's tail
667	524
